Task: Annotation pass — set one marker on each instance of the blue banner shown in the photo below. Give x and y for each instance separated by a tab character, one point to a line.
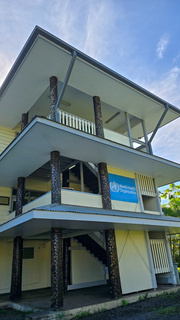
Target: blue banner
122	188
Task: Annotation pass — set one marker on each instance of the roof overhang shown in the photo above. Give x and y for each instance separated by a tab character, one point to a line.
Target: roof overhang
38	222
32	148
45	55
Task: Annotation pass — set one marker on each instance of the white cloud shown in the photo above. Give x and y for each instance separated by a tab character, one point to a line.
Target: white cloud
166	142
5	65
176	58
162	45
85	25
166	87
99	25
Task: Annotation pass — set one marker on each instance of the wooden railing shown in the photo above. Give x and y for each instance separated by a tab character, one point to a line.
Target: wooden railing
87	126
78	123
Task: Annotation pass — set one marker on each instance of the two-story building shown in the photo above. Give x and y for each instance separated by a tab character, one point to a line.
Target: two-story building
79	204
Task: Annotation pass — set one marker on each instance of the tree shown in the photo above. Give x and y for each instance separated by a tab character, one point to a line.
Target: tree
172	207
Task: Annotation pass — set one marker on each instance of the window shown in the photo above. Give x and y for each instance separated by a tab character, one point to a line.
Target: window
30	195
28	253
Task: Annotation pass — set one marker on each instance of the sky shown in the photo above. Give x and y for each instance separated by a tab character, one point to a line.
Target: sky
140	39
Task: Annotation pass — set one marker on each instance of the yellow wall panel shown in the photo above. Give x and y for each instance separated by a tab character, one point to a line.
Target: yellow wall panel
133	261
6	136
120	172
4	210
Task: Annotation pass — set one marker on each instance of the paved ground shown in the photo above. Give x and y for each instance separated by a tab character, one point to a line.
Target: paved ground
163	307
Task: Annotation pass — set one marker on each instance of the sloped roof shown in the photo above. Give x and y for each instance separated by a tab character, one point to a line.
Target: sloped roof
45	55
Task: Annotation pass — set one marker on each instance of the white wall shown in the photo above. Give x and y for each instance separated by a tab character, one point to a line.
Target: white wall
35	272
133	261
116	137
85	267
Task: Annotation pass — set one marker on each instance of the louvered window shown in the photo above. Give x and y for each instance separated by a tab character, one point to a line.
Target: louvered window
146	186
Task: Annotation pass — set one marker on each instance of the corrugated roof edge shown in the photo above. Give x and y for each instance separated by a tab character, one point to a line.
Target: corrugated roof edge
39	31
96	211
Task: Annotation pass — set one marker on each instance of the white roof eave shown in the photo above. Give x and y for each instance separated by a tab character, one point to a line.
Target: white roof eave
32	148
38	222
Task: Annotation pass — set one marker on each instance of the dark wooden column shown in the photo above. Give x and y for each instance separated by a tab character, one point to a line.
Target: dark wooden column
55	178
104	181
53	97
20	196
57	291
67	262
98	117
16	277
24	120
113	265
112	259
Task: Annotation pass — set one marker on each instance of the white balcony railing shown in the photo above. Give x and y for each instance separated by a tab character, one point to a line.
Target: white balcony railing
84	125
73	121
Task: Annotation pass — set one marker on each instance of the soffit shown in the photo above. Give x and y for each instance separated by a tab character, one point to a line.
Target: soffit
38	222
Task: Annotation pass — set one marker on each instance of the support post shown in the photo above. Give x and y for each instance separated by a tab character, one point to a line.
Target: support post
57	291
24	120
55	178
56	237
129	129
159	123
112	259
20	196
68	74
145	136
67	262
16	277
98	117
53	97
113	265
105	188
82	176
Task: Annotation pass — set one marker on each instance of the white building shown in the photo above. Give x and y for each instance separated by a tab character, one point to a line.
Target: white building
91	211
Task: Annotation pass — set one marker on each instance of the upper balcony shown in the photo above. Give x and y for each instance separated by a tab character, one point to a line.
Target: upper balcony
26	89
130	113
84	125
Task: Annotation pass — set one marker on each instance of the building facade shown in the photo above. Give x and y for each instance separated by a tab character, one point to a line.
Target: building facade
79	204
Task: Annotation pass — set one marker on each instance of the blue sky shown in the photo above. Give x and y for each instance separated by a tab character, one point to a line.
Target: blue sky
137	38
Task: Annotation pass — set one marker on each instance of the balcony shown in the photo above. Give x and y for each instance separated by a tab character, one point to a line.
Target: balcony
87	126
